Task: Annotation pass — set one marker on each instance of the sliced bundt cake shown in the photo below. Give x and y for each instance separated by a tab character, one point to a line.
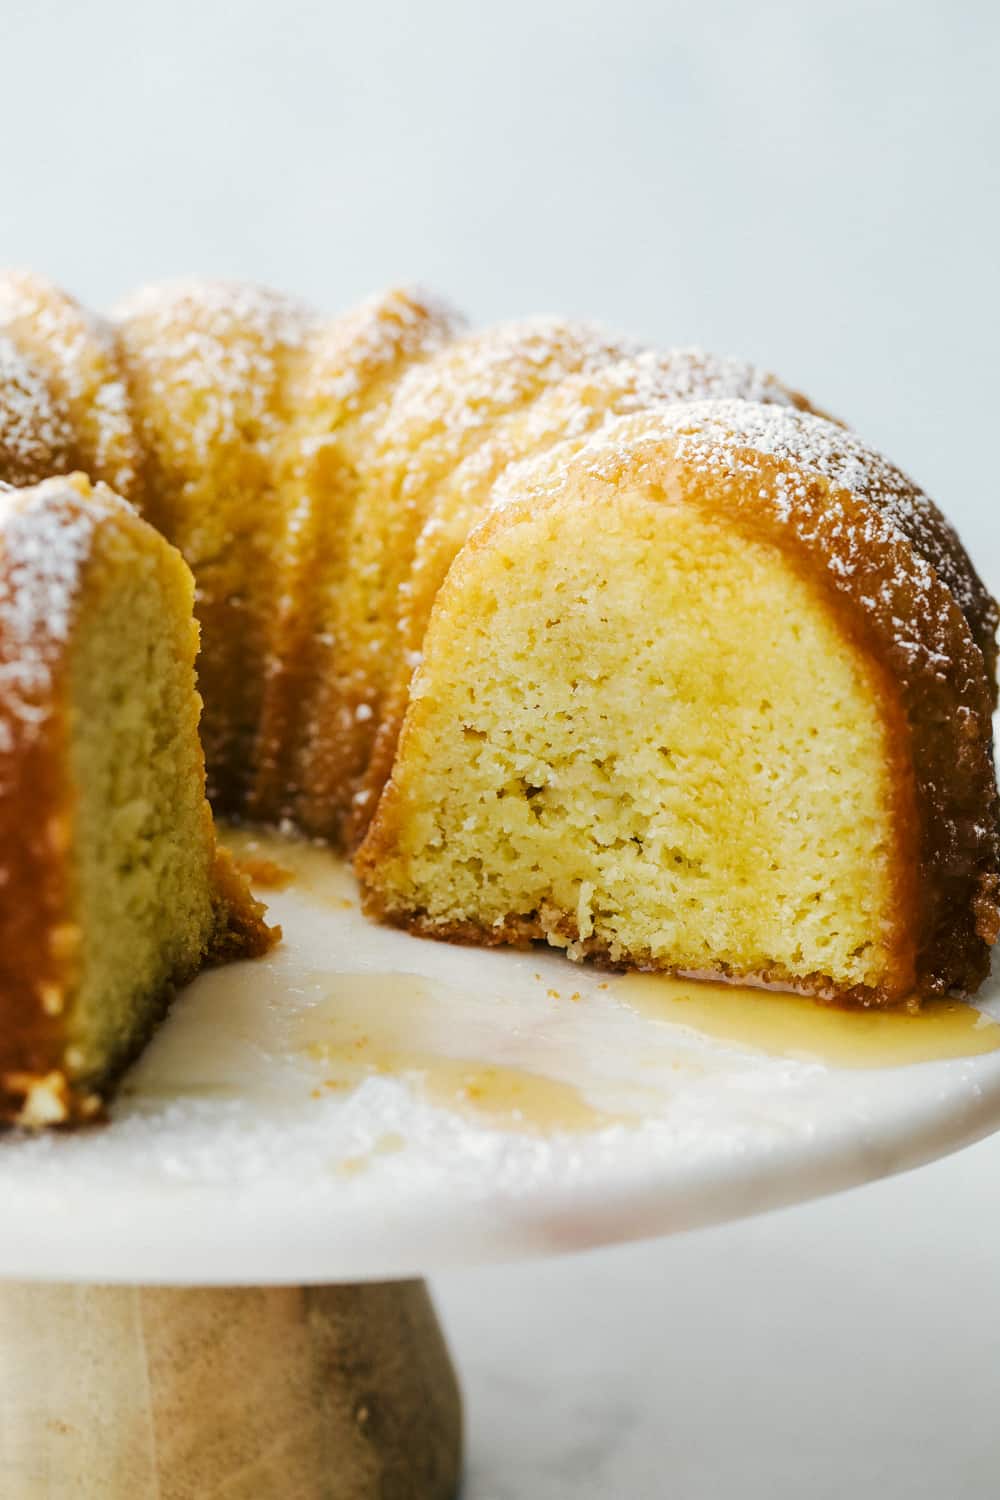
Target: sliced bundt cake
112	889
327	481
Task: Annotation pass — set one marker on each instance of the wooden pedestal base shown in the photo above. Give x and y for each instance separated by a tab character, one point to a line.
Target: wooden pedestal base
257	1393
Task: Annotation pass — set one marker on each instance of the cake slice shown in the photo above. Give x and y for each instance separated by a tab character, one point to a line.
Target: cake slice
700	700
112	888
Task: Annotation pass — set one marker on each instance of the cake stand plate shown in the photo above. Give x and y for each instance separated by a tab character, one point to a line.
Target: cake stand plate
363	1105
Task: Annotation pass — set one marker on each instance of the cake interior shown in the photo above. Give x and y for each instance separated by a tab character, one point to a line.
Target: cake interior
142	842
662	729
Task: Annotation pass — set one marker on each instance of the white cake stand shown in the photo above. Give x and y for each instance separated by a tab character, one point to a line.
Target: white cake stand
214	1295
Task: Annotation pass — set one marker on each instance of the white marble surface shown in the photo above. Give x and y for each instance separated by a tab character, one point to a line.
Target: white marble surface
847	1348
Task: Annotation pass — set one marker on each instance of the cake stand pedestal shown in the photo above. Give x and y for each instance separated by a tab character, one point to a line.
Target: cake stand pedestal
252	1393
213	1298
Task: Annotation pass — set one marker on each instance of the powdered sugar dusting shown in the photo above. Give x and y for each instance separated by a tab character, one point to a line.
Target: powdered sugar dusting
723	436
653	377
582	403
35	435
75	352
46	535
215	350
450	401
376	338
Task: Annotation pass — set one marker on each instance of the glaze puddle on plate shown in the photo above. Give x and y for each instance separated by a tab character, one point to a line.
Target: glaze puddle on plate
792	1026
390	1025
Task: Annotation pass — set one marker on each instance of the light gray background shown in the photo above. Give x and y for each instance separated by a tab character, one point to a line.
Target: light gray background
814	186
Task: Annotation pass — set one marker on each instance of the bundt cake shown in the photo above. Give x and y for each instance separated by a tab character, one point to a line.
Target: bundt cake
636	653
112	890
